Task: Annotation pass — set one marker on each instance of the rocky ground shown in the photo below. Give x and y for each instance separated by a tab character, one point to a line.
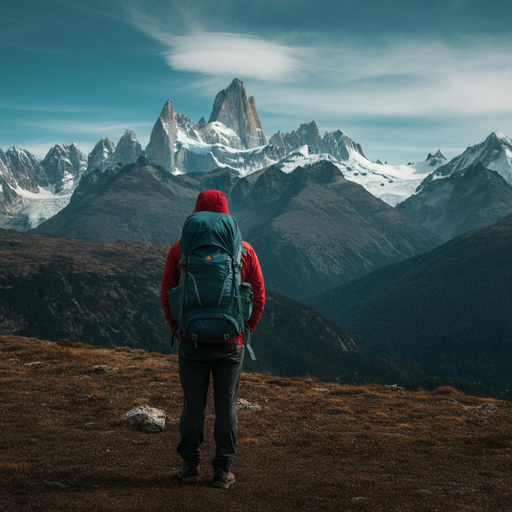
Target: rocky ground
312	446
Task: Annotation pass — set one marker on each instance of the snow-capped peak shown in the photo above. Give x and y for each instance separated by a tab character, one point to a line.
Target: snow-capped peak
436	156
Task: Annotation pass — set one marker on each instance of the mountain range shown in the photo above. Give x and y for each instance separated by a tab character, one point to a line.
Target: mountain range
460	202
360	241
32	191
311	228
447	311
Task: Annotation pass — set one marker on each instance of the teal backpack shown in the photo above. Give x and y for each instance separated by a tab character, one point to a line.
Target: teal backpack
211	304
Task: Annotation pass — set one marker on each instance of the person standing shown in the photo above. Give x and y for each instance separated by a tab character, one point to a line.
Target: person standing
223	360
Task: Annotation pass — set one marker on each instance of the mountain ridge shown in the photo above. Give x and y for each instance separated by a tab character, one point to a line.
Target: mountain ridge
460	202
279	213
447	310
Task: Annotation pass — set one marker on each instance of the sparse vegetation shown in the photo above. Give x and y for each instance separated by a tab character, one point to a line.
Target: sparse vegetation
447	311
349	391
313	446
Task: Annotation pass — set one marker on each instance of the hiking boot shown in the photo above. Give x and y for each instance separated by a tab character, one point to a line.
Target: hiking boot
223	478
189	473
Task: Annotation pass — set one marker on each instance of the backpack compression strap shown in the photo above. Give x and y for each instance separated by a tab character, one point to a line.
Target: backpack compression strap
238	283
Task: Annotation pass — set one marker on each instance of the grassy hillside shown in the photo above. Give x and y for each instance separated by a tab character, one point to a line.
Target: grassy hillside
312	446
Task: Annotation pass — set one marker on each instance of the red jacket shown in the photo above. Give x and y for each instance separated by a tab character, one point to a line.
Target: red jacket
215	201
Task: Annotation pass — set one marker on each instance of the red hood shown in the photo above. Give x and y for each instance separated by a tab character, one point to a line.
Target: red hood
211	201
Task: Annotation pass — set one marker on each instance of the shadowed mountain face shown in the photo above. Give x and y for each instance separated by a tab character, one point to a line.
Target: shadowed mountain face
447	311
311	228
461	202
141	202
494	153
108	294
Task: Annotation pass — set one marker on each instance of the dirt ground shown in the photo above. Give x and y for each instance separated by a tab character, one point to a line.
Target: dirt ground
313	446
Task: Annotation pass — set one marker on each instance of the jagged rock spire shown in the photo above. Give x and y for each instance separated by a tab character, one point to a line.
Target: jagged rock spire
128	149
235	109
163	138
436	156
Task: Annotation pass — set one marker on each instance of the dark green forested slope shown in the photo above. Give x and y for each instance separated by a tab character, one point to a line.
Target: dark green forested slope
449	311
108	294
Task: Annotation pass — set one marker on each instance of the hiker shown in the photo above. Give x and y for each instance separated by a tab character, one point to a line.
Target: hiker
222	357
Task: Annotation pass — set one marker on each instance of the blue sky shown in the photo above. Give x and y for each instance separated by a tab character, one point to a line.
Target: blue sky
401	78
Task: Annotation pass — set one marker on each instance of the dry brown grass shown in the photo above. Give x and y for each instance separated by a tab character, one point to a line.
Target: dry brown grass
313	446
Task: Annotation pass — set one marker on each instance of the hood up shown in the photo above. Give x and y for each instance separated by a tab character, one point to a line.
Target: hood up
211	201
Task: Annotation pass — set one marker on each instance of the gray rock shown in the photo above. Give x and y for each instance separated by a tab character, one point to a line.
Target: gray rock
244	405
394	386
163	138
64	165
35	364
147	418
487	407
101	368
128	149
99	155
235	109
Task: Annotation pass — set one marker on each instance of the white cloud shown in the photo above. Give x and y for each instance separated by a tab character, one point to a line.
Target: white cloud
409	79
234	55
220	53
87	127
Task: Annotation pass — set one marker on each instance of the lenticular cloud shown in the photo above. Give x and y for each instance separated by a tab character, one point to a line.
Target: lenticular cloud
234	55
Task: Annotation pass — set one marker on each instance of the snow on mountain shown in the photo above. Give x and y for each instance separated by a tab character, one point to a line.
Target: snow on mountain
99	155
494	153
32	191
35	191
180	146
64	165
193	155
24	170
391	183
217	133
128	149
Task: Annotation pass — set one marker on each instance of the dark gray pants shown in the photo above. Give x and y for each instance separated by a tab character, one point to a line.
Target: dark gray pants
224	361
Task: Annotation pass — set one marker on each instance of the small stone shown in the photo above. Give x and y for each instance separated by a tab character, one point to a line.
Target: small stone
35	364
101	368
244	405
487	407
14	360
55	484
149	419
394	386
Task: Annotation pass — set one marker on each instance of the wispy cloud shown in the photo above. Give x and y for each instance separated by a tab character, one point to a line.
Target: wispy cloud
322	76
221	53
234	55
45	108
402	78
86	127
